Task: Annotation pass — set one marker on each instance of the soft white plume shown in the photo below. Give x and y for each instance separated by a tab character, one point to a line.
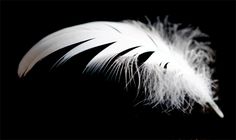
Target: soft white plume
176	72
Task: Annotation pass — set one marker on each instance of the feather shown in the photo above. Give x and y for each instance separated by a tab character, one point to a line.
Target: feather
175	71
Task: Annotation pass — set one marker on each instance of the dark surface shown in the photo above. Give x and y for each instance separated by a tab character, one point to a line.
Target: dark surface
63	103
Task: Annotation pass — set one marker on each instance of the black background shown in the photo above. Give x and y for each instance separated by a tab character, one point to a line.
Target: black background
63	103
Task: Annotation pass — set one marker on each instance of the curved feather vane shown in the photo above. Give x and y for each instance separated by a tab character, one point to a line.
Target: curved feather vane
175	70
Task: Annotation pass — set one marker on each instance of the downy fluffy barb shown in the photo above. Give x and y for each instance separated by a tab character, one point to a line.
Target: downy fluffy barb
175	73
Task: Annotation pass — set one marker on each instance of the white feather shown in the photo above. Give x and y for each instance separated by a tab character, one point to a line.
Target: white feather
178	67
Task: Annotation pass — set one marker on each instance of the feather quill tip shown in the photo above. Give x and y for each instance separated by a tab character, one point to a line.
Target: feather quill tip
216	109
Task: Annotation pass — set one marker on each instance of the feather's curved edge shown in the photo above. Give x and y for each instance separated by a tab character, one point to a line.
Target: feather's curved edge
56	41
